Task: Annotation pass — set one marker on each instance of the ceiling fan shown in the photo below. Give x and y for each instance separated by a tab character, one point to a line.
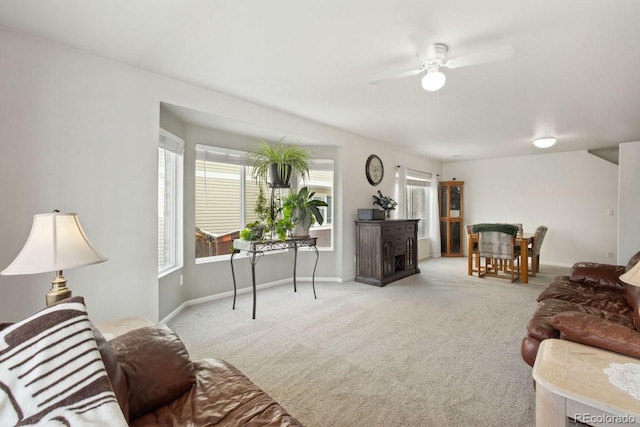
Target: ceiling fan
434	56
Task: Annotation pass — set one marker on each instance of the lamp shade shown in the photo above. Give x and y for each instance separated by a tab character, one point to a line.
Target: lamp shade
433	81
56	242
632	277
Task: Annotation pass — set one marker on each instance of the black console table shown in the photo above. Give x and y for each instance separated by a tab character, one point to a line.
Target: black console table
256	248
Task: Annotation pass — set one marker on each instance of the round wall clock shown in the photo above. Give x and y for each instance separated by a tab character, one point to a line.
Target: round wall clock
374	170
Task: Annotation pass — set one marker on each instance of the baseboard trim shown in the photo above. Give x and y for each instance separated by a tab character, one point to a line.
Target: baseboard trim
244	290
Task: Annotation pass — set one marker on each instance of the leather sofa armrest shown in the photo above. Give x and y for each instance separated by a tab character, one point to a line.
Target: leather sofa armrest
596	274
595	331
156	365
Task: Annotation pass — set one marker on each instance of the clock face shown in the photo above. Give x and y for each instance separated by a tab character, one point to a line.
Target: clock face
374	170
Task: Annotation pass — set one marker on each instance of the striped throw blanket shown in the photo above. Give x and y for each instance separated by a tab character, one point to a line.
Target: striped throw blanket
51	372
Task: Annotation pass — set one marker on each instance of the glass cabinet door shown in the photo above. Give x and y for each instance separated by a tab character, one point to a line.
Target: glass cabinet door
451	217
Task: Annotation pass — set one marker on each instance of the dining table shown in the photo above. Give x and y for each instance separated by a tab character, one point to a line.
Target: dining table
522	239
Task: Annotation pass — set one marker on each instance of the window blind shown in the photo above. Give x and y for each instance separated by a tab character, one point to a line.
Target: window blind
220	155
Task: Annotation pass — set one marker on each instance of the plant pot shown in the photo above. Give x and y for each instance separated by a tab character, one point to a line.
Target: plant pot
277	179
301	229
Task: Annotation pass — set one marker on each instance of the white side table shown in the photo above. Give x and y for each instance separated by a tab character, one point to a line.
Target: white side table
571	382
114	328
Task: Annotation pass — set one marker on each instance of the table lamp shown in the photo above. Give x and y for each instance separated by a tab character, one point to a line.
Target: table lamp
56	242
632	277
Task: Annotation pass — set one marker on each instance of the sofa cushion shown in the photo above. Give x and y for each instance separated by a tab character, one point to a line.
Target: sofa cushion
156	365
51	371
596	274
222	395
602	298
598	332
632	295
633	261
540	326
115	372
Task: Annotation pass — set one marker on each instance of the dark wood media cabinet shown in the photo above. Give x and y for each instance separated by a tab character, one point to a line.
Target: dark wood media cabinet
386	250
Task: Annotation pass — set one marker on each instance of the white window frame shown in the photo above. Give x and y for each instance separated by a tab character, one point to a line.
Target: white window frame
231	156
324	164
173	147
420	179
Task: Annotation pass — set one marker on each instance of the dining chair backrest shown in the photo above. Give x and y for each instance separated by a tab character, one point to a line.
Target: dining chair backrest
541	231
496	244
519	225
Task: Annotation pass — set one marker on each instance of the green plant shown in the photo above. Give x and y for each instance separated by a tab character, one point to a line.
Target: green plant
301	208
246	234
262	206
253	231
284	156
385	202
282	227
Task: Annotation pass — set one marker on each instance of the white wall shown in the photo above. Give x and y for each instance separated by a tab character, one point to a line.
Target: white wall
80	133
629	224
568	192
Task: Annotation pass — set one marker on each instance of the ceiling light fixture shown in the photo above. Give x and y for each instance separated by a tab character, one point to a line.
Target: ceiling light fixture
433	80
544	142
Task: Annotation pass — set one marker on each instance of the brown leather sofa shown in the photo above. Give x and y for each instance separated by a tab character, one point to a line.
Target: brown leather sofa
157	384
590	306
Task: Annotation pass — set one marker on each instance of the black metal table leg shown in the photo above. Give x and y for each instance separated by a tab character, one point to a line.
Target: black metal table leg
295	262
253	280
233	275
313	276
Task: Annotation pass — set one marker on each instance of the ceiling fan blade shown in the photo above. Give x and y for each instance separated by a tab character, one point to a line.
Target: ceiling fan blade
491	55
397	76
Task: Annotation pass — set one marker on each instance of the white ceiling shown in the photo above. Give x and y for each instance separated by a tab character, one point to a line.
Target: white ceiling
574	73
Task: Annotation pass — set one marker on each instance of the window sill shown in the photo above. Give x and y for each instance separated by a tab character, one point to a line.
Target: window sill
168	271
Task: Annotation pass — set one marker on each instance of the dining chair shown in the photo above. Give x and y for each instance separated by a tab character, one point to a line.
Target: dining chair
475	255
520	232
519	225
498	247
533	252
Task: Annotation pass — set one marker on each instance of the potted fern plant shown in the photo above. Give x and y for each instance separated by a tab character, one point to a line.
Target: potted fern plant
302	210
274	164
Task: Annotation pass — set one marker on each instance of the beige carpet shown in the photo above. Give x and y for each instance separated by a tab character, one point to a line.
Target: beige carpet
435	349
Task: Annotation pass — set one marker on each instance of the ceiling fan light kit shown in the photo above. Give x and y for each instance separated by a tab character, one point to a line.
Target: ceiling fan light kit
545	142
433	81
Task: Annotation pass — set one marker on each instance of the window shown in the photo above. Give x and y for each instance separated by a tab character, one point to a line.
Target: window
321	182
418	200
170	165
226	197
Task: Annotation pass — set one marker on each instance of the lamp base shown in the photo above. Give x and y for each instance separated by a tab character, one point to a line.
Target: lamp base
58	291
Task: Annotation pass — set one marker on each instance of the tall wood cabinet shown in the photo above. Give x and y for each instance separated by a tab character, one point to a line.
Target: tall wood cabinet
386	250
451	217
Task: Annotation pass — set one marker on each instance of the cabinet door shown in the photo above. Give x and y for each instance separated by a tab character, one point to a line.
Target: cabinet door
451	217
388	259
444	201
410	250
455	238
